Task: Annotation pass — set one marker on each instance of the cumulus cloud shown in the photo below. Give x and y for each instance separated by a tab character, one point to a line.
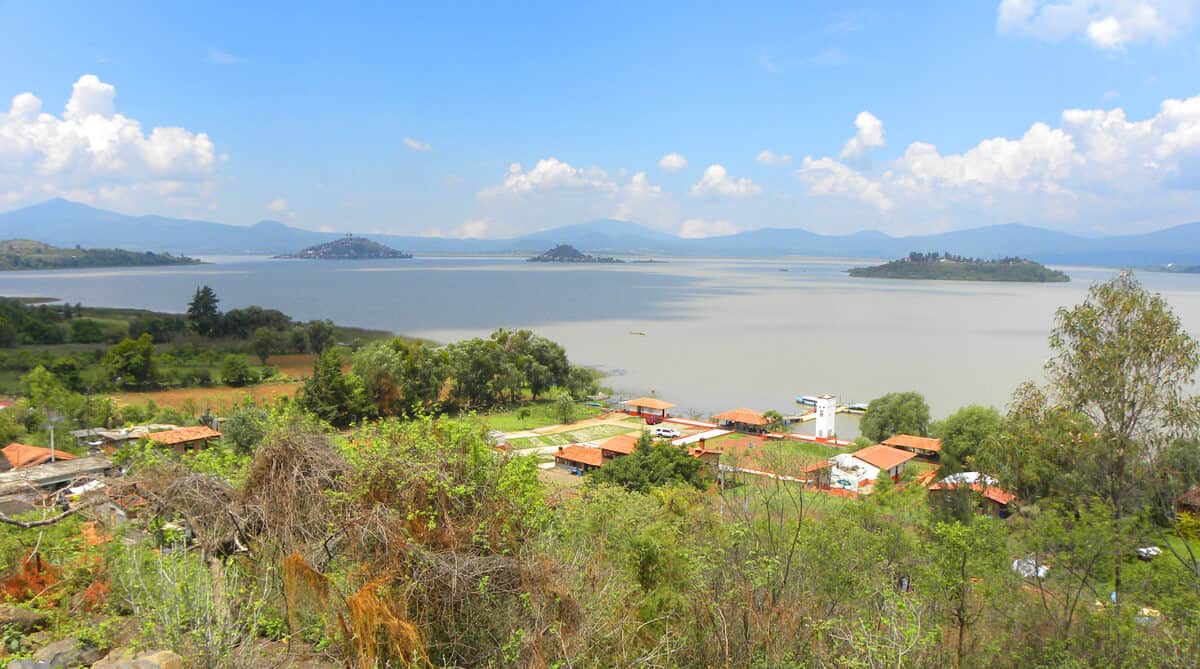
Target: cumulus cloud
770	158
697	228
639	191
94	154
550	174
1096	162
869	136
277	206
716	181
1107	24
672	162
417	145
472	228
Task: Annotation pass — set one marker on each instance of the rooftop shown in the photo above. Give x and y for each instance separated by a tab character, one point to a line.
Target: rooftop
883	457
184	435
584	455
916	443
622	443
19	456
743	415
649	403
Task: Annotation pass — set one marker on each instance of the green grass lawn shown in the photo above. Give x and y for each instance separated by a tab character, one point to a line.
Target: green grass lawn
541	414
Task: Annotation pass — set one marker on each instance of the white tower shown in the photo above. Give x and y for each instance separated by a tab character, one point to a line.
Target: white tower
826	417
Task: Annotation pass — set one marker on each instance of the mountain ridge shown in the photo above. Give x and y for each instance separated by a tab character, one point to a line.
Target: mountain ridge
67	223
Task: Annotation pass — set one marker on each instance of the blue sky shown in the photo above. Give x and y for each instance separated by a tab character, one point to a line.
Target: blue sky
495	119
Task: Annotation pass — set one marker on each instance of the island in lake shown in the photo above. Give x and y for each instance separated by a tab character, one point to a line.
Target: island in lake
348	248
1180	269
21	254
568	253
949	267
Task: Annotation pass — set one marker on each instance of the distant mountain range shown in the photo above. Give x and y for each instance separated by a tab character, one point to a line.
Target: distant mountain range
64	223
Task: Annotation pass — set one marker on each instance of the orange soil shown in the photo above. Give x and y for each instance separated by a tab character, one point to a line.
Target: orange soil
219	399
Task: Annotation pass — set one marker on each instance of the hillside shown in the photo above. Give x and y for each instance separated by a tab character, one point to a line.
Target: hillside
947	267
66	223
566	253
348	248
24	254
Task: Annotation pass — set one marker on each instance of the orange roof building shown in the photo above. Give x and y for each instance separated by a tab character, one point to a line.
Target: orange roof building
580	457
743	420
862	468
927	446
995	499
184	438
649	405
19	456
622	444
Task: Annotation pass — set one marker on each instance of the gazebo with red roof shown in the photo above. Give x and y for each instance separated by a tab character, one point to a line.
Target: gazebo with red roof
648	406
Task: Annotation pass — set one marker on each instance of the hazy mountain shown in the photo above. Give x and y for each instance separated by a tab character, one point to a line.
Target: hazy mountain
65	223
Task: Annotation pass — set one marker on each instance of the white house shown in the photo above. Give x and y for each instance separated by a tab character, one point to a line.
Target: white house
854	470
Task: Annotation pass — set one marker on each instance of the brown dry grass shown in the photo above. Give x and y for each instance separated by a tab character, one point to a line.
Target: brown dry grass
295	365
218	399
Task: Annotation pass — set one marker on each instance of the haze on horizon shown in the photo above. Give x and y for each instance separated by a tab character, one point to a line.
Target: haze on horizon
1075	115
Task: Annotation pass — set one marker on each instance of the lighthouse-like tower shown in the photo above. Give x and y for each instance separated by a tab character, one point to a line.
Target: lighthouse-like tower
826	417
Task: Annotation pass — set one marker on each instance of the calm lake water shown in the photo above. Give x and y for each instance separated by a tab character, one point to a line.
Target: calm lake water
718	333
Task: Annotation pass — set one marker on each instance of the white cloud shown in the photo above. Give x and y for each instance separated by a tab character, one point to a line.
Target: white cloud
1097	164
417	145
769	157
639	191
1107	24
672	162
716	181
218	57
279	207
94	154
550	174
869	136
472	228
697	228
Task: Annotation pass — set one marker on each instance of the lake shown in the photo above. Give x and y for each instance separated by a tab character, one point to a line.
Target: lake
718	333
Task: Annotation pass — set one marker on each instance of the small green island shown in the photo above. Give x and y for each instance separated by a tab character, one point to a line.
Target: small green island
1180	269
950	267
566	253
348	248
26	254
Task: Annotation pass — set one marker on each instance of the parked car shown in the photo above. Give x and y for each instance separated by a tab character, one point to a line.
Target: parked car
667	432
653	420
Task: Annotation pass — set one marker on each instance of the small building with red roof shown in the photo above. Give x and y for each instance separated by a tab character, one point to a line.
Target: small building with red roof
993	500
648	406
186	438
20	456
622	444
861	468
742	420
927	447
579	459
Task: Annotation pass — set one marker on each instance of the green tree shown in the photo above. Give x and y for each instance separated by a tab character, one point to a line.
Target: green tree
266	341
131	363
962	432
203	315
329	394
319	336
1124	360
969	559
895	413
245	428
86	331
564	408
236	372
651	465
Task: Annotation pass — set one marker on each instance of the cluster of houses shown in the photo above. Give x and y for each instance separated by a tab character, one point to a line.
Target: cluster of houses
33	476
732	442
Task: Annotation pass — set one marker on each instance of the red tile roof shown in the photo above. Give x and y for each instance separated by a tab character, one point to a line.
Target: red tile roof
743	415
991	492
883	457
584	455
184	435
23	455
649	403
915	443
622	443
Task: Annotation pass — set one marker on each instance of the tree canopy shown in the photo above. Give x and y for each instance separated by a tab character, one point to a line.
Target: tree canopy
896	413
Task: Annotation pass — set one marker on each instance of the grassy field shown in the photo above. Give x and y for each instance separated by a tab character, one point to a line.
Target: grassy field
591	433
541	414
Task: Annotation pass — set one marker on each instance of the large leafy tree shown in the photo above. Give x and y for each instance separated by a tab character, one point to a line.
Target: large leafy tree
131	362
203	315
962	433
650	465
896	413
